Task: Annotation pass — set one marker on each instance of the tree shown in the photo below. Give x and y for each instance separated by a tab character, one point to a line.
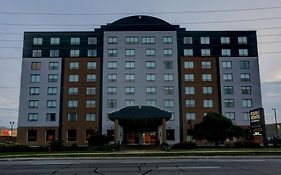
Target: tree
215	127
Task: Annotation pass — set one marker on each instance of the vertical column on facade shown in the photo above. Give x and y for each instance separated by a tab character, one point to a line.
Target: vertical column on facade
116	129
164	135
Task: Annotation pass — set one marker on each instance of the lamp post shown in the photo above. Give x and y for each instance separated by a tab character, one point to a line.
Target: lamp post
276	123
12	125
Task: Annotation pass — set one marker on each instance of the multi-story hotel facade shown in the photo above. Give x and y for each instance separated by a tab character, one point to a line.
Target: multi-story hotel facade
139	80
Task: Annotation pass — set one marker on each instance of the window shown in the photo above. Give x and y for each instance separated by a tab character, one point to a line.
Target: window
111	103
37	41
190	116
208	103
187	52
151	102
150	64
170	134
92	53
206	65
207	90
150	52
244	64
243	52
74	40
111	90
226	52
130	77
35	78
242	40
129	64
91	78
150	77
230	115
228	90
168	64
52	90
130	102
34	91
90	103
190	103
53	65
129	90
167	39
205	40
73	91
71	117
92	40
245	77
54	53
229	103
35	65
131	40
33	117
130	52
168	52
33	103
112	52
246	90
206	77
168	77
71	135
189	77
150	90
188	64
90	117
112	77
227	77
73	78
112	64
169	103
227	64
91	65
51	103
50	117
74	53
190	90
246	116
168	90
74	65
50	135
112	40
52	78
90	91
148	40
205	52
32	135
36	53
72	103
225	40
247	103
187	40
55	41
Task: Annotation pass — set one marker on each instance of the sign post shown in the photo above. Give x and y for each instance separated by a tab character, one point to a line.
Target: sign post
258	125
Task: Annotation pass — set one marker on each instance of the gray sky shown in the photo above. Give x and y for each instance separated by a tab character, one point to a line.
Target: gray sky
267	23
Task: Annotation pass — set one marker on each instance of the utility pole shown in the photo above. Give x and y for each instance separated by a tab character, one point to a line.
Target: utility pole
276	123
12	125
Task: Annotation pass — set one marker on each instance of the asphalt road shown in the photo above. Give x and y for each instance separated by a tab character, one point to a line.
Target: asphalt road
143	166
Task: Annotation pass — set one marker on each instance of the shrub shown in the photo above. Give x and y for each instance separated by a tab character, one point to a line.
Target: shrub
185	145
98	140
246	144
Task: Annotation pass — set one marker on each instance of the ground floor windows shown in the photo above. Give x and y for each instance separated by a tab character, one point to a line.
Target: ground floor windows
71	135
50	135
32	136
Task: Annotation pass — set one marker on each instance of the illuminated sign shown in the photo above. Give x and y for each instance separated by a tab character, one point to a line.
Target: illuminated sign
256	118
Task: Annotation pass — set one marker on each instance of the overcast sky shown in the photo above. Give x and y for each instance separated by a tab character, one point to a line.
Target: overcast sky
69	15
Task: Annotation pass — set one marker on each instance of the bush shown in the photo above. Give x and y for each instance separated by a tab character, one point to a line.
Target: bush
165	147
98	140
105	147
185	145
246	144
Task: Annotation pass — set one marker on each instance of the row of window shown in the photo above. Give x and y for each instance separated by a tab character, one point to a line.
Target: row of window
112	103
56	53
246	103
132	52
131	77
54	90
231	115
150	90
191	103
148	64
207	103
70	103
143	39
244	90
35	78
55	65
225	64
207	52
190	90
243	64
57	41
223	40
228	77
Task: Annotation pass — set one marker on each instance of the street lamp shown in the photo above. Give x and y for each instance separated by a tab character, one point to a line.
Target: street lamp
12	125
276	123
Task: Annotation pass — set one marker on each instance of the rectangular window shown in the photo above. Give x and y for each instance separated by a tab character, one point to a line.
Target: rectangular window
168	40
52	91
187	40
169	103
227	77
246	116
229	103
168	77
243	52
206	77
129	64
247	103
131	40
50	117
74	53
35	65
242	40
54	53
190	90
90	91
130	102
90	103
51	103
226	52
92	40
72	103
36	53
205	52
190	116
112	40
227	64
244	64
53	65
246	90
35	78
205	40
187	52
91	78
55	41
112	90
73	78
37	41
112	52
129	77
50	135
150	52
91	65
151	102
92	53
208	103
129	90
228	90
74	40
190	103
168	64
150	90
112	64
34	91
225	40
130	52
148	40
207	90
245	77
112	77
32	135
188	64
71	135
206	65
189	77
111	103
90	117
33	103
168	52
52	78
230	115
73	91
150	77
150	64
168	90
33	117
74	65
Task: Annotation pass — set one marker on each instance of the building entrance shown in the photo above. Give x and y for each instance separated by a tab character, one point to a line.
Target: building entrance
141	138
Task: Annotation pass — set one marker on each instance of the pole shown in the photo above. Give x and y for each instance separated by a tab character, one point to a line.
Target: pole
276	123
12	124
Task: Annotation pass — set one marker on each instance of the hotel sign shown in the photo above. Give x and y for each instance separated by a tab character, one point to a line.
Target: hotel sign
256	118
